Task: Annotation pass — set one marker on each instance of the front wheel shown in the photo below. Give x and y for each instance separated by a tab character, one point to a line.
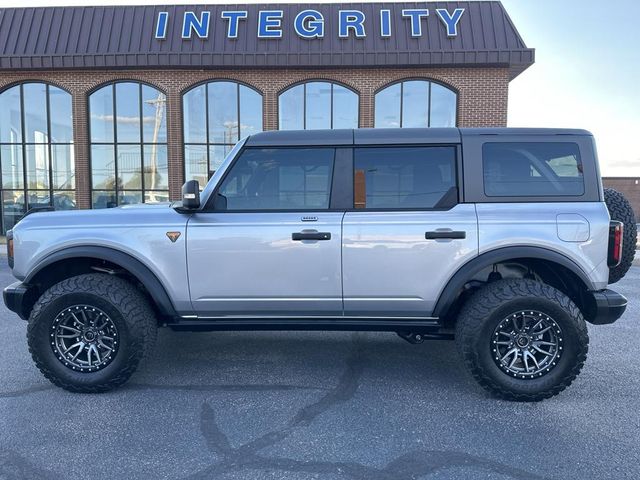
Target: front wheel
521	339
88	333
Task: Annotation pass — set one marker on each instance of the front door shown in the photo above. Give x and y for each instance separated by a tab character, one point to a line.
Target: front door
269	245
408	234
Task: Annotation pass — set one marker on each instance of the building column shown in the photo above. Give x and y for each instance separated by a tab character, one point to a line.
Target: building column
81	142
175	145
367	100
270	109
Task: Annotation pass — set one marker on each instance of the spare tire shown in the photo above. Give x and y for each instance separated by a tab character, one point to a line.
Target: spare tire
620	210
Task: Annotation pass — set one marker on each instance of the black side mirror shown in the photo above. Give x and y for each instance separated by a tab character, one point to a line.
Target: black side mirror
191	195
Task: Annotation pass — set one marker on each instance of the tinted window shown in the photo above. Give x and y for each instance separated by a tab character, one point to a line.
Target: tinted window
532	169
403	177
278	179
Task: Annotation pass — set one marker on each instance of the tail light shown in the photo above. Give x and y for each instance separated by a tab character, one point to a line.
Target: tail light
10	248
616	231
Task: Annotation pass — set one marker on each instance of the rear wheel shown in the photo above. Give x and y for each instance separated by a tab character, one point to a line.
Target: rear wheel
521	339
620	209
89	333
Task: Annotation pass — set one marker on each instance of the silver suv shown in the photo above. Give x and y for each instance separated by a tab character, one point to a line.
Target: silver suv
499	238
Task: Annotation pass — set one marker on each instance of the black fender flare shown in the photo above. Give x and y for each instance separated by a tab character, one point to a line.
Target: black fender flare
127	262
473	267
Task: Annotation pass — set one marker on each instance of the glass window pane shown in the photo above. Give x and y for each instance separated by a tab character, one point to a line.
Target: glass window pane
103	167
129	165
63	166
103	199
223	112
443	106
12	208
217	154
387	107
345	108
250	111
279	179
291	108
195	163
64	200
12	166
37	166
415	104
154	107
101	111
156	170
129	197
35	112
38	198
10	118
532	169
61	116
195	121
318	107
156	196
403	177
128	112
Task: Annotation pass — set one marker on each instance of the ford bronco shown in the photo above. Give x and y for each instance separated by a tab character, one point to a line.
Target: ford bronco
502	239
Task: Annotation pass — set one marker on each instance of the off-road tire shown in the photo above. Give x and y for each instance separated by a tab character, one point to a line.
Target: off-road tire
123	303
620	209
486	309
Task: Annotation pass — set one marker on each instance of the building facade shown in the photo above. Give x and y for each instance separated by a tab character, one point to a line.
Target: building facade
104	106
629	187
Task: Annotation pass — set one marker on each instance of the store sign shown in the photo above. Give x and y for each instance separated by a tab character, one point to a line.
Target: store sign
309	24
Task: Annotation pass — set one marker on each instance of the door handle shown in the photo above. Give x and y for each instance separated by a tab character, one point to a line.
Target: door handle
299	236
445	234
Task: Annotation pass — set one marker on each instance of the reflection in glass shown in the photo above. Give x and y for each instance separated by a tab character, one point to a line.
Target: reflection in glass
291	108
37	162
345	108
154	124
103	167
10	116
12	208
415	103
101	199
63	167
194	115
101	111
128	112
318	106
250	111
35	112
60	116
12	166
195	163
156	169
223	112
129	163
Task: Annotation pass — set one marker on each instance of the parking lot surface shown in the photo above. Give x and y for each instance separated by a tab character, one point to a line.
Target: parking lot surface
302	405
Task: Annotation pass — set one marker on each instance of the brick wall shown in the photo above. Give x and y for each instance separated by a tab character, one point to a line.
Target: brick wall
629	187
482	99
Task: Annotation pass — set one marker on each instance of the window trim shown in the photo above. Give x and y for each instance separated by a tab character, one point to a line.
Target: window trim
112	84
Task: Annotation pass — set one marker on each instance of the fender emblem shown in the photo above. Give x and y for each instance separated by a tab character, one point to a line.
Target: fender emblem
173	236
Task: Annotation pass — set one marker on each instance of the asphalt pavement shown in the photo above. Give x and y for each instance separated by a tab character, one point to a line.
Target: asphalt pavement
317	405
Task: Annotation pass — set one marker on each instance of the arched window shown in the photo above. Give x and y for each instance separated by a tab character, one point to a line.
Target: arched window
36	150
128	145
415	103
215	116
314	105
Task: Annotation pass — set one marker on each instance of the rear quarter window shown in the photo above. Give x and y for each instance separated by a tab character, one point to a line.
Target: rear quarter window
532	169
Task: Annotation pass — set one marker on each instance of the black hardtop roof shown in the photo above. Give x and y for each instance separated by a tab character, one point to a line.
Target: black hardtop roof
390	136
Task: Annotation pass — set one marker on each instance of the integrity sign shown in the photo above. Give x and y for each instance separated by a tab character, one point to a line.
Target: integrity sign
309	24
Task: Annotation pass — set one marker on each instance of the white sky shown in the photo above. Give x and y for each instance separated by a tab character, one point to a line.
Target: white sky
586	75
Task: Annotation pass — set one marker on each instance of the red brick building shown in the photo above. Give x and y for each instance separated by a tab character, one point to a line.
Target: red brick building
630	187
102	106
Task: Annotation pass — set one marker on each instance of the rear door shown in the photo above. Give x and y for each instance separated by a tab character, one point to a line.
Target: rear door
407	233
270	244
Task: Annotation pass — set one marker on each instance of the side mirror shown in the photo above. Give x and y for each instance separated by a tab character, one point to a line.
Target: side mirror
191	195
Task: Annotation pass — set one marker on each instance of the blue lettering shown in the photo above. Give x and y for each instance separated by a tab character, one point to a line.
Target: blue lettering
450	21
233	18
416	16
309	24
351	19
270	23
192	23
161	26
385	23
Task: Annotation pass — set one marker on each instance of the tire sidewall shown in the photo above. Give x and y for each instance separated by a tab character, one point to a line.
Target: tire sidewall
40	340
571	348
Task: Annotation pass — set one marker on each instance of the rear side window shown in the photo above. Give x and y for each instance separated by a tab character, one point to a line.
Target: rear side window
532	169
404	177
278	179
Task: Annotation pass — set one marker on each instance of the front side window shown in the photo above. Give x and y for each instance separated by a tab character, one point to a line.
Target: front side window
404	177
318	105
128	145
36	150
415	104
278	179
216	116
532	169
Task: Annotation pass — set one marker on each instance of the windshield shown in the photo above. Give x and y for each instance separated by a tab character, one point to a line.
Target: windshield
220	171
